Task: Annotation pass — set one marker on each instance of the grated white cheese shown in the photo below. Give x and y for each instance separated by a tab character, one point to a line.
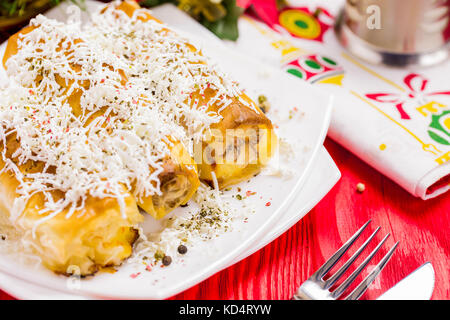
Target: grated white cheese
135	81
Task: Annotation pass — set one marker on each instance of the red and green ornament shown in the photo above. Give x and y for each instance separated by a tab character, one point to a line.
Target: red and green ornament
439	128
305	24
316	68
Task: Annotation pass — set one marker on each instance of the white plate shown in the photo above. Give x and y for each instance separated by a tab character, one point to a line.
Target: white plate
204	260
324	175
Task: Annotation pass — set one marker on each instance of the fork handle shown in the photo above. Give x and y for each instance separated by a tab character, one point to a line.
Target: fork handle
312	290
303	292
300	295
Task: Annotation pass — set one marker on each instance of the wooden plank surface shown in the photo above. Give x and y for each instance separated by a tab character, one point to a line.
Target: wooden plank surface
274	272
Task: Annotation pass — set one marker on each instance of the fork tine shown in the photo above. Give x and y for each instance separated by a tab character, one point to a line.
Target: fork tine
332	280
362	287
323	270
340	290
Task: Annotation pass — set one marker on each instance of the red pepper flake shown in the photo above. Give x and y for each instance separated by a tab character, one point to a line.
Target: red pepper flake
295	109
108	119
67	129
148	268
134	101
102	81
121	138
135	275
49	131
31	91
249	193
268	204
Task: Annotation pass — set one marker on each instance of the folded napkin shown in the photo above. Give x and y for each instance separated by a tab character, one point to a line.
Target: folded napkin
397	120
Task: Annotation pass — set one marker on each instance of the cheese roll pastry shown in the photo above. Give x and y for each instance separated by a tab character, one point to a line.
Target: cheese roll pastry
99	117
239	146
71	174
179	181
179	177
236	147
98	235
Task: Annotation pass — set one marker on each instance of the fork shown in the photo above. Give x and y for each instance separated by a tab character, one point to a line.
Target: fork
316	288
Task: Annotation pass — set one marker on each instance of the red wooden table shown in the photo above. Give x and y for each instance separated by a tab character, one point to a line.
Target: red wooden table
274	272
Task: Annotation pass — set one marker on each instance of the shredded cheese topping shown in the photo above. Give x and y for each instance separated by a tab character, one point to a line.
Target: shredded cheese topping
134	81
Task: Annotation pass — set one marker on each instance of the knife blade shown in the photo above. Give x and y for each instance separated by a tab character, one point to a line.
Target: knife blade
418	285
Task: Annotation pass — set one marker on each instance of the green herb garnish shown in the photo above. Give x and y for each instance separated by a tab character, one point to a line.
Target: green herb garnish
17	8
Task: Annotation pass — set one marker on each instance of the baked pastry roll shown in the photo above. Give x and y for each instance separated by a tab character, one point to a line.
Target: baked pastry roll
178	181
97	236
238	146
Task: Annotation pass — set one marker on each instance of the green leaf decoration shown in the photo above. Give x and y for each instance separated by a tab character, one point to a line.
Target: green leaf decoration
153	3
17	8
227	27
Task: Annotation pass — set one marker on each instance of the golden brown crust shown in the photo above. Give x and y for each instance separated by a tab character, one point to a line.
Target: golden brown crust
12	46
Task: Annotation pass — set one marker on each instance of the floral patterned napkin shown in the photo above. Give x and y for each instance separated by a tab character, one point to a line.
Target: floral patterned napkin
397	120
